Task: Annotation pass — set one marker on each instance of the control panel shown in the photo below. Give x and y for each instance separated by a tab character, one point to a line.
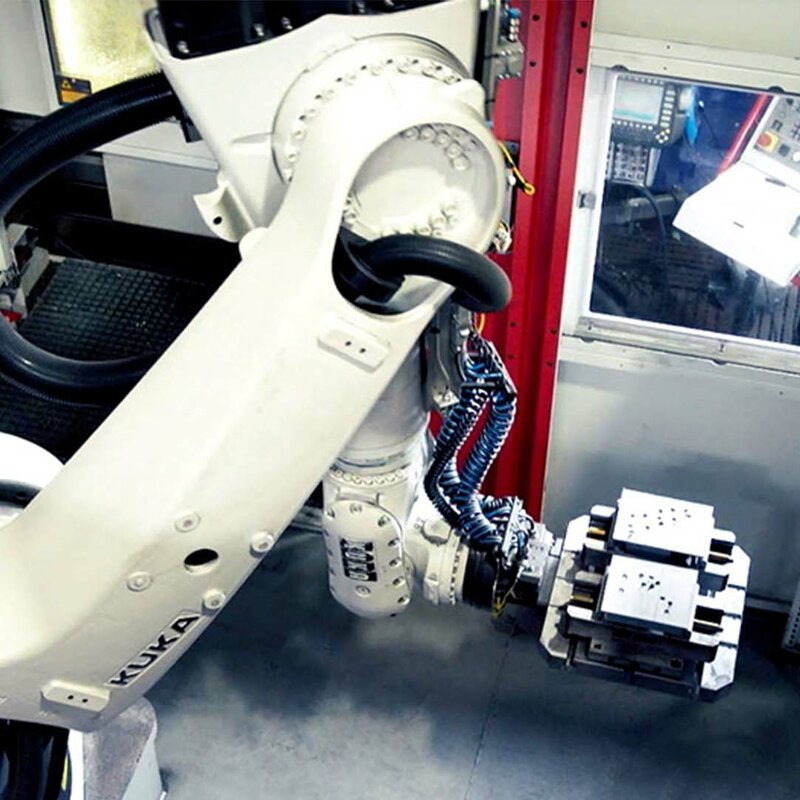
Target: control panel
780	136
631	163
646	111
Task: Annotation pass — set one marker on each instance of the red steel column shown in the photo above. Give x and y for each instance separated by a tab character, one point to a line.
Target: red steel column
556	35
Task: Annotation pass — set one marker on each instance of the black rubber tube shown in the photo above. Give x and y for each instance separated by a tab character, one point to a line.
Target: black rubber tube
31	156
480	284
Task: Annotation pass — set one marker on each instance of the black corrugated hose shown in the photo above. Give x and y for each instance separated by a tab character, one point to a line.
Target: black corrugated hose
31	156
480	284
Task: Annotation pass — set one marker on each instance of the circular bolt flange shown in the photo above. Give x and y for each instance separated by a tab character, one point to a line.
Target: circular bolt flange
187	521
139	581
262	542
213	600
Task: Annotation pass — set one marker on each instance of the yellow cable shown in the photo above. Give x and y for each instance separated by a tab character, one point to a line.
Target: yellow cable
527	187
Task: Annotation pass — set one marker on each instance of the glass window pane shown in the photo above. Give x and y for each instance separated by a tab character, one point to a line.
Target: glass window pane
700	220
97	44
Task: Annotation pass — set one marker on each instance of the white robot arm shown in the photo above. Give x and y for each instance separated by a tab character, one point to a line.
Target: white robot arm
121	561
349	129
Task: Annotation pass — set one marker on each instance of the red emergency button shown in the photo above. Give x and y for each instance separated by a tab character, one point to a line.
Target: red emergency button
767	141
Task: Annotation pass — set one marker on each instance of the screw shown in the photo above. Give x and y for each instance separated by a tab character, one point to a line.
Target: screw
182	47
139	581
187	521
258	30
213	600
330	513
443	140
383	521
262	542
362	590
356	508
286	23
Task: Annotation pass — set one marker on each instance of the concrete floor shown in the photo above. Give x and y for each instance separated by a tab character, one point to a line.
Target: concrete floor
288	696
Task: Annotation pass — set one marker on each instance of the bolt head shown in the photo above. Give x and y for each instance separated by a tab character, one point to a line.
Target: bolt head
356	508
213	600
139	581
262	542
363	590
187	521
383	521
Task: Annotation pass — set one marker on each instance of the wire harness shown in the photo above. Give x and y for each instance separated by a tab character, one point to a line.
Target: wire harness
486	523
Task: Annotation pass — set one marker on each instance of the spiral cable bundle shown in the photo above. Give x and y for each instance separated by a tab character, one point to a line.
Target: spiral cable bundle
482	520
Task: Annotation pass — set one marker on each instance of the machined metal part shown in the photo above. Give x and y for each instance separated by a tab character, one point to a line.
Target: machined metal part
649	592
791	635
445	339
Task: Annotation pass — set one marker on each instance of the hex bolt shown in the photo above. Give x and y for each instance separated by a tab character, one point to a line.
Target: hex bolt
258	30
262	542
187	521
182	47
213	600
139	581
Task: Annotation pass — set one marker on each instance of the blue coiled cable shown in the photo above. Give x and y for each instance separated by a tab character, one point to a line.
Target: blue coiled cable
456	495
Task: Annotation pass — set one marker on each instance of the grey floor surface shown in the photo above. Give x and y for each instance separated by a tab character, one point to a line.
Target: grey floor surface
288	696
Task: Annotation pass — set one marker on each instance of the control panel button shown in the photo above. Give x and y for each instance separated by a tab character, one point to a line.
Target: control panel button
767	141
784	150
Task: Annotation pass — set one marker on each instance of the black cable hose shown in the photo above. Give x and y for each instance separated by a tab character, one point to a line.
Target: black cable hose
480	284
30	157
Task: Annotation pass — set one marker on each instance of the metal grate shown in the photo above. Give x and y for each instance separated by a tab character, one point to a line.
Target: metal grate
94	311
681	281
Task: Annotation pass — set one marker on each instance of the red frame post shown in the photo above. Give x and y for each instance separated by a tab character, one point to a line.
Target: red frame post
556	36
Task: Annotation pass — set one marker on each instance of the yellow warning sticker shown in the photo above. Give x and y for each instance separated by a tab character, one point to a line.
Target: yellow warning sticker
72	89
